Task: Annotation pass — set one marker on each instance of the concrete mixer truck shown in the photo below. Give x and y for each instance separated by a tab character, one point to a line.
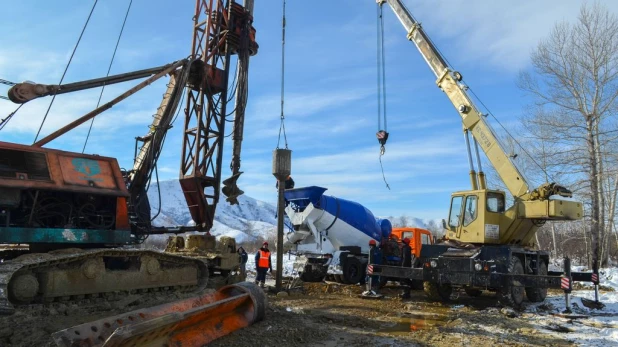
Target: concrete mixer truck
331	236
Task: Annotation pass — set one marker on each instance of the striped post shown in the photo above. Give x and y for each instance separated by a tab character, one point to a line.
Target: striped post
566	283
370	269
595	280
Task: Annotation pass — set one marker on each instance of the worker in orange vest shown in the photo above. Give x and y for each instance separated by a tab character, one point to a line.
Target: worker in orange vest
263	263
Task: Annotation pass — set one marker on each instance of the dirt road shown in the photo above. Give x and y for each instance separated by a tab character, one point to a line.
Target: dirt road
324	315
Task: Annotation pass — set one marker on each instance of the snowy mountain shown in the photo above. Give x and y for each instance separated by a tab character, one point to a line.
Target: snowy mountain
248	220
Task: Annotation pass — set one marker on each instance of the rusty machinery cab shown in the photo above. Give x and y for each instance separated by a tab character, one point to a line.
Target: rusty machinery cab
53	199
221	257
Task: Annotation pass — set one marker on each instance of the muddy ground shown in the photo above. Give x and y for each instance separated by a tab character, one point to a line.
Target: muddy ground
334	315
320	314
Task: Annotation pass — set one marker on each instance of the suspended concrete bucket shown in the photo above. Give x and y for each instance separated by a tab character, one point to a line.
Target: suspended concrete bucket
282	163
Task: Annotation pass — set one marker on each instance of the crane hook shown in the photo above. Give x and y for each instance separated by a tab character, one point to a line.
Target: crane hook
382	137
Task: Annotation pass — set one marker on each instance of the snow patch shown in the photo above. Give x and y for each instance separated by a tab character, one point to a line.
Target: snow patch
600	328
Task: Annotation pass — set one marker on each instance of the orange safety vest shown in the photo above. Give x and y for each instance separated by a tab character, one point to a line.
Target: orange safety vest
263	261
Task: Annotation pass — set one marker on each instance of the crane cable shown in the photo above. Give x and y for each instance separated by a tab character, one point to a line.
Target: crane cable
108	71
382	134
282	124
65	70
8	83
5	121
547	174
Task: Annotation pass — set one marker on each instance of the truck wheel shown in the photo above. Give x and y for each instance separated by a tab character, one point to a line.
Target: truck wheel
353	271
437	292
538	294
417	285
311	275
473	292
513	295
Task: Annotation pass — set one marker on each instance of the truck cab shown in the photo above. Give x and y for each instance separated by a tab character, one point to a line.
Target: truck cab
417	236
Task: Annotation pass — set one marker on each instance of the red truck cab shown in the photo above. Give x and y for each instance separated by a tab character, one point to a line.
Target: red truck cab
417	236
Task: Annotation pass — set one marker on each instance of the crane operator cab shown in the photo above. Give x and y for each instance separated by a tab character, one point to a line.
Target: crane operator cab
481	217
475	216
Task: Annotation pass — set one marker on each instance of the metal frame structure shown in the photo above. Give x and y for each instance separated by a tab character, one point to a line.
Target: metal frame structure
205	111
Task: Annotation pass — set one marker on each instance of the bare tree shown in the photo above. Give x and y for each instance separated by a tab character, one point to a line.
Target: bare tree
403	221
575	86
249	228
435	228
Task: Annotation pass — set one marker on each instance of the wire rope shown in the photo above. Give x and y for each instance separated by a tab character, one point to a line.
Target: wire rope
108	71
282	124
66	69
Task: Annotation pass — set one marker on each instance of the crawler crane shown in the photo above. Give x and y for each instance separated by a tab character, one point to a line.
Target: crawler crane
74	210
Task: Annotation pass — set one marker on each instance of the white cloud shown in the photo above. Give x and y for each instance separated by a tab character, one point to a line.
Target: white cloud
135	110
412	169
397	152
498	32
19	64
305	104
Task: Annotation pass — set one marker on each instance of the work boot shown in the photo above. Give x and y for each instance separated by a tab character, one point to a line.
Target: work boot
262	284
257	282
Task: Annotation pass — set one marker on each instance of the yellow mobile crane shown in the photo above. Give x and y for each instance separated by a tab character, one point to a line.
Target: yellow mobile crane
489	246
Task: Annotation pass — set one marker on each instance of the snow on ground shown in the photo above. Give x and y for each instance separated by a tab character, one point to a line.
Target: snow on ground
598	328
288	267
288	263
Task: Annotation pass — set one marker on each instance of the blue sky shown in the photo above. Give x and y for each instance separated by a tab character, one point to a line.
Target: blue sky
331	111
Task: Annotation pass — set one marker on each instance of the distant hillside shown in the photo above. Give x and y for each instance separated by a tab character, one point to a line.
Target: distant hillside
248	221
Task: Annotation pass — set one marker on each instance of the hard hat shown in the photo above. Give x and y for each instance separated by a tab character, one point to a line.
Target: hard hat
265	243
372	242
406	241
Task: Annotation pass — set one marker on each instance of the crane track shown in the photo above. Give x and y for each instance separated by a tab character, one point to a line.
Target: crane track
85	272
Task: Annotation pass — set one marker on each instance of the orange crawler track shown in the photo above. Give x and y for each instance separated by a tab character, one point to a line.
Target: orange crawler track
191	322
